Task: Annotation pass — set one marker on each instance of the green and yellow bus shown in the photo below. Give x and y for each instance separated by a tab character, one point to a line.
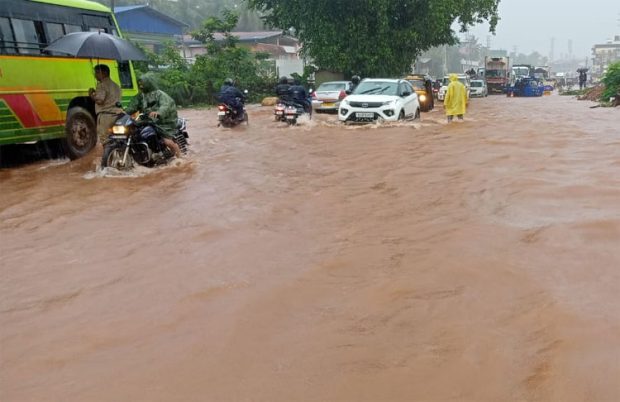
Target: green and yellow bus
45	96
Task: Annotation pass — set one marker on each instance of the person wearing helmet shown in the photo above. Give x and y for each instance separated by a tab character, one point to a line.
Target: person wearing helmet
160	107
233	97
282	88
355	80
297	93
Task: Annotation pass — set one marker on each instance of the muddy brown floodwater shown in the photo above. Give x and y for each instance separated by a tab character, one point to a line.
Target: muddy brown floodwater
478	261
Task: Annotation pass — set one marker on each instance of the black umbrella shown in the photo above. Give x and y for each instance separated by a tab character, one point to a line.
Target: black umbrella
96	45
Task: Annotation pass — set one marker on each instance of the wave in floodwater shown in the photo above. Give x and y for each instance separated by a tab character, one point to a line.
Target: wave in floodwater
135	172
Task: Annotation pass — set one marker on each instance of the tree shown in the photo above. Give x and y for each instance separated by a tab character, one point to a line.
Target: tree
373	37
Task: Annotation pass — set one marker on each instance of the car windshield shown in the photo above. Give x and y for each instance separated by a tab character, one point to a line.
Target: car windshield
331	86
376	88
417	84
476	84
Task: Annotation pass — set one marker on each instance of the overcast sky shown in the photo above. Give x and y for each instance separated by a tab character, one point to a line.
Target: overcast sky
530	24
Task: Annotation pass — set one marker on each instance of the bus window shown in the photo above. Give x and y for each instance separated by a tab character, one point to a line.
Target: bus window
7	41
27	36
54	31
72	28
124	74
96	23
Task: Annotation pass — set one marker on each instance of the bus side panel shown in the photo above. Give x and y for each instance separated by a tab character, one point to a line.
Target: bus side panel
37	110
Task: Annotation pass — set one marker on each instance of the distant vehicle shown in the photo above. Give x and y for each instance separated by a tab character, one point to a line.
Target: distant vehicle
497	73
463	78
328	95
44	96
526	87
478	88
380	99
521	71
423	85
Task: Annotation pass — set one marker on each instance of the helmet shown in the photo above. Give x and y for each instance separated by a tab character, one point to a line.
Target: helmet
355	79
229	82
283	80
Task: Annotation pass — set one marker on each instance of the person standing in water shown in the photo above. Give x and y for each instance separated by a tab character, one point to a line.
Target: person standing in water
106	97
455	101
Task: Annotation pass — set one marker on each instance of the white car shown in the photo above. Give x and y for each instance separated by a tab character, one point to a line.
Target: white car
478	88
464	78
380	99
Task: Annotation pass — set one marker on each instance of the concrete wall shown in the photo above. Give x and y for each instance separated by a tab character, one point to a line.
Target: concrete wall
286	67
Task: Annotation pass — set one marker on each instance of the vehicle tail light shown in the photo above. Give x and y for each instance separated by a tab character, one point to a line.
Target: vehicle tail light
342	95
221	108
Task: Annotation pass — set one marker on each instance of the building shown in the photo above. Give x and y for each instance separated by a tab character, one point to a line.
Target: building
605	54
147	26
283	49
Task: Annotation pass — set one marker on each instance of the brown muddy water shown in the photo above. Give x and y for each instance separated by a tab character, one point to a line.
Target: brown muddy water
477	261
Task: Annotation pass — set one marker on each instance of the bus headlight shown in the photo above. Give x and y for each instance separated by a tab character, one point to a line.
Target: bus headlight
119	129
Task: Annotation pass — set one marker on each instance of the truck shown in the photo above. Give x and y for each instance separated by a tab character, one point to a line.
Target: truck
521	71
497	73
542	73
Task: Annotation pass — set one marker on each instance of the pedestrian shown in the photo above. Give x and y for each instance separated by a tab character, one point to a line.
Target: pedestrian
455	101
106	96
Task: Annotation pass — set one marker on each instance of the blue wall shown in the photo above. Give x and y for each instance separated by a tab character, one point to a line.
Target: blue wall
143	21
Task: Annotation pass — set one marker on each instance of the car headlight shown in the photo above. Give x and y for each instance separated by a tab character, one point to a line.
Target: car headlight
422	98
119	129
388	102
344	102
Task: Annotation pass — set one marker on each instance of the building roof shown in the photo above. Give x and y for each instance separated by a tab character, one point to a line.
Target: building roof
250	36
147	9
122	9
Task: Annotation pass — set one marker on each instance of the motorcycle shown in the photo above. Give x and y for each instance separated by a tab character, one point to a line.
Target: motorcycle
228	117
279	109
293	111
136	140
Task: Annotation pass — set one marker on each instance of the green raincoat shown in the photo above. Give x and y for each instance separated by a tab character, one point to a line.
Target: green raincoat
151	99
455	101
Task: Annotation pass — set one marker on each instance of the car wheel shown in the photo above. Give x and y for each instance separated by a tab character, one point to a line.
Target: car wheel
401	115
417	114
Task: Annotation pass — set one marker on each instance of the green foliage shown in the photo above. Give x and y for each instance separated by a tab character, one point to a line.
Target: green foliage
611	81
373	37
197	83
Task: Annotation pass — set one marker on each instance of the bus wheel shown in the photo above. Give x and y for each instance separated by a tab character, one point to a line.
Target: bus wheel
81	132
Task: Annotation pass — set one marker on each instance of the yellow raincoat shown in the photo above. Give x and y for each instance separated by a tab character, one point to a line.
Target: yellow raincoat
455	101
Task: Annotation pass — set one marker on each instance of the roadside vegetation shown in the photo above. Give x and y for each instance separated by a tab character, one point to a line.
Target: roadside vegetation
200	82
605	91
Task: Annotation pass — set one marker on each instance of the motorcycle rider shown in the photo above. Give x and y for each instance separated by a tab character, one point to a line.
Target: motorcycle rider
160	107
297	94
356	81
282	88
233	97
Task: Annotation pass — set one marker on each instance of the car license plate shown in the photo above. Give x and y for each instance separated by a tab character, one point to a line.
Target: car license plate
328	104
290	116
279	112
361	115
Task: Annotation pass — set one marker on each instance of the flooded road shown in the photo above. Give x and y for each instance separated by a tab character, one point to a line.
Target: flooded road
477	261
